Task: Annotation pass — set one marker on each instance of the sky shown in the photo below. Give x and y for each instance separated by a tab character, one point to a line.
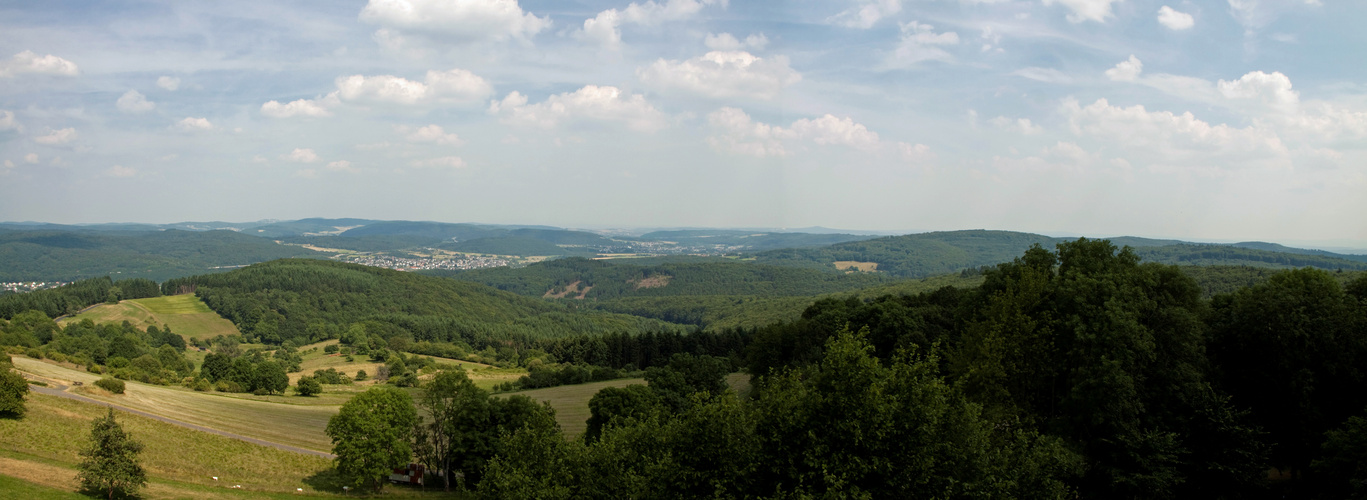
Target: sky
1216	120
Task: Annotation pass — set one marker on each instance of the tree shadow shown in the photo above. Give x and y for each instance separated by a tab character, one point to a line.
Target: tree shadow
328	480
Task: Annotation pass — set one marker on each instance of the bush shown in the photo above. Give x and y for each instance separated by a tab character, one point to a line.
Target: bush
308	386
96	369
261	391
228	386
57	356
202	385
331	349
110	384
34	353
117	362
361	375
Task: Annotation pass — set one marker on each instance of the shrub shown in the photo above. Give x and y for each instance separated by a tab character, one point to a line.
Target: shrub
261	391
110	384
117	362
361	375
331	349
57	356
202	385
34	353
96	369
308	386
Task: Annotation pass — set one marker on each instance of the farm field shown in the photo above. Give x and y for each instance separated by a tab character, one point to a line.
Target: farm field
185	314
291	420
571	402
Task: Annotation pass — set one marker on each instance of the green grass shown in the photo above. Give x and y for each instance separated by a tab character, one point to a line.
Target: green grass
12	487
292	420
571	402
184	314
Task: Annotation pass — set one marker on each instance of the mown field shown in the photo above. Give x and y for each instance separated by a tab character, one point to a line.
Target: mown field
185	314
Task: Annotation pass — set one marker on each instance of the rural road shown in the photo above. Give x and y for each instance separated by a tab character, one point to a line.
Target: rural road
60	391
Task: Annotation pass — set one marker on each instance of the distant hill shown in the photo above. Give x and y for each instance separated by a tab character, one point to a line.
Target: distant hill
509	245
301	299
929	254
306	227
156	255
751	241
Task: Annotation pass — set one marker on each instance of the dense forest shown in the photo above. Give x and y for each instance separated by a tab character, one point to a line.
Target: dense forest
1081	373
309	300
158	255
69	299
929	254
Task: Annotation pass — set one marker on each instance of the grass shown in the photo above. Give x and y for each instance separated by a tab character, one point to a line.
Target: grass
571	402
184	314
292	420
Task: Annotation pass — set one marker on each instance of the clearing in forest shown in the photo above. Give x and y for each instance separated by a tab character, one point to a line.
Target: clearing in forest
185	314
846	265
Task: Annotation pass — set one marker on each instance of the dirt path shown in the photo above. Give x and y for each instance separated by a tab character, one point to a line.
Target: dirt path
60	391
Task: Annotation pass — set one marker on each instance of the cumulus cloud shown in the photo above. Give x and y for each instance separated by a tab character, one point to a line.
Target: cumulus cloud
299	107
433	134
192	124
445	161
592	102
726	41
301	155
723	74
1086	10
1273	90
134	102
27	62
1169	135
1127	71
341	166
605	28
1174	20
920	42
168	82
57	137
31	158
461	20
740	134
451	87
7	121
1022	125
866	13
121	171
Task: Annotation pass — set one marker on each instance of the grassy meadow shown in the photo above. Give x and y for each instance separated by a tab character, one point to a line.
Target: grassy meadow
185	314
571	402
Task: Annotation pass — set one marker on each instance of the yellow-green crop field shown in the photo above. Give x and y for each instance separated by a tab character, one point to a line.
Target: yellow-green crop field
184	314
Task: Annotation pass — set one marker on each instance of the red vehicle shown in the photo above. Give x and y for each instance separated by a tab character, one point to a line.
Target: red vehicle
411	474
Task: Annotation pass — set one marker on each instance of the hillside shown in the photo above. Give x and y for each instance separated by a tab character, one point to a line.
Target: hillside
750	240
929	254
302	299
155	255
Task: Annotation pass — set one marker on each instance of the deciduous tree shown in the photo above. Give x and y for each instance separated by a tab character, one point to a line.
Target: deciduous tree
110	462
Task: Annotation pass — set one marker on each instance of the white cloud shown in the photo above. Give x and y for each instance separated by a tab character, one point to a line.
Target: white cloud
605	28
866	13
591	102
463	20
919	43
1046	75
57	137
1065	157
341	166
9	163
27	62
1022	125
991	40
31	158
1127	71
434	134
1169	135
1087	10
7	121
723	74
301	155
726	41
134	102
457	86
1174	20
452	86
121	171
1255	14
740	134
299	107
168	82
192	124
445	161
1273	90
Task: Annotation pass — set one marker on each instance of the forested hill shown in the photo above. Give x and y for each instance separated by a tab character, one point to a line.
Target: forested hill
155	255
929	254
599	279
304	299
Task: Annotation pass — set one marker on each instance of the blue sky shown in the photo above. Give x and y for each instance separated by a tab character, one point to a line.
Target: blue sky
1204	120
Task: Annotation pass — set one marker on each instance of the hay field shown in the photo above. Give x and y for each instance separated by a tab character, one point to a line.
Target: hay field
571	402
185	314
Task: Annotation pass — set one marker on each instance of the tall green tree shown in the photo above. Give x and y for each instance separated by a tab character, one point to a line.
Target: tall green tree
13	388
110	462
371	435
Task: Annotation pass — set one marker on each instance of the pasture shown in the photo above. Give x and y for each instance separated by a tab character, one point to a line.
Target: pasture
184	314
571	402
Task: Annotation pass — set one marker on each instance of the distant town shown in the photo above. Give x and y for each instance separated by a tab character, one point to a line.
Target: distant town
29	286
417	264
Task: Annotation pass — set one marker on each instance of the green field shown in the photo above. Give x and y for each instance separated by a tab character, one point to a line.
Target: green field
571	402
185	314
291	420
